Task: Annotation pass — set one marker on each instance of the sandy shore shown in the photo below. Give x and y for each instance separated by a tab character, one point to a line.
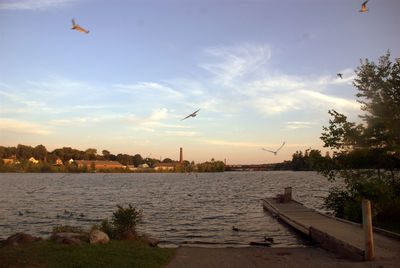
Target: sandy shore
196	257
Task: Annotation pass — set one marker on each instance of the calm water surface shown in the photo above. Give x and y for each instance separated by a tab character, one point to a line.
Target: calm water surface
178	208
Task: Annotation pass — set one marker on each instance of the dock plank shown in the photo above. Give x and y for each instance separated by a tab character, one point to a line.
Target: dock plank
330	233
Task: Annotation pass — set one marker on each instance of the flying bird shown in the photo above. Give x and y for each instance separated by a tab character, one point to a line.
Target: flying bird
77	27
274	152
191	115
363	7
340	75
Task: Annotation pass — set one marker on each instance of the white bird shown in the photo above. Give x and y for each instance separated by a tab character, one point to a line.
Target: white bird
363	7
191	115
274	152
77	27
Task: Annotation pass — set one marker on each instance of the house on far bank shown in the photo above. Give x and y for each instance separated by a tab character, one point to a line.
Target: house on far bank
10	161
59	162
143	166
33	160
131	167
166	166
98	164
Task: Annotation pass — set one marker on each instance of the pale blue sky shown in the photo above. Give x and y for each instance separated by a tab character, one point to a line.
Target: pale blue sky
261	71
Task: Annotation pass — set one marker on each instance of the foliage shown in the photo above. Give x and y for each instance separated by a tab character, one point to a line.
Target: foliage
67	229
117	253
367	155
213	166
124	219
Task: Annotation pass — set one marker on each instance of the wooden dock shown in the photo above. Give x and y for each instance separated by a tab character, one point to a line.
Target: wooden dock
336	235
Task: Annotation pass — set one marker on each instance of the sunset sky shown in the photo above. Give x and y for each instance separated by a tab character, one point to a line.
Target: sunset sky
260	71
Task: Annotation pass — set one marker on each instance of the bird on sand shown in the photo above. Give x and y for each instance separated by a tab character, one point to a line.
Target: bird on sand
363	7
191	115
77	27
274	152
340	75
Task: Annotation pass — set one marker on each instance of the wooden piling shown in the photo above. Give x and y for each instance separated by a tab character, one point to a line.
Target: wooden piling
367	227
287	197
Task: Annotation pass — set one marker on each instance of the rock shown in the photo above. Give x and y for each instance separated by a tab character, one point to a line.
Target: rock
72	241
21	238
97	236
69	238
150	241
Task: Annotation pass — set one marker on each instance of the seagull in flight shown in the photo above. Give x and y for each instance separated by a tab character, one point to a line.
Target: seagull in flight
77	27
340	75
274	152
191	115
363	7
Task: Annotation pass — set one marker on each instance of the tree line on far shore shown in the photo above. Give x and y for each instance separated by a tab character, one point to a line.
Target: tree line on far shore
47	161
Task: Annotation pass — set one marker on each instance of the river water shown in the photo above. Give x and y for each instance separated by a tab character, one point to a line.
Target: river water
178	208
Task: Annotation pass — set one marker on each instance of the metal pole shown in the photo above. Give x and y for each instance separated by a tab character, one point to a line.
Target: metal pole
367	226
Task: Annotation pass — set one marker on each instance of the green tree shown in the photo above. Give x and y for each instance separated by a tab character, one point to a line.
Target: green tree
367	155
137	160
40	152
106	154
24	152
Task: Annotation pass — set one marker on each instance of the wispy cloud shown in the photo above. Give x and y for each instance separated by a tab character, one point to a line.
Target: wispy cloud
299	124
34	4
236	62
181	133
68	121
148	88
230	143
158	119
22	127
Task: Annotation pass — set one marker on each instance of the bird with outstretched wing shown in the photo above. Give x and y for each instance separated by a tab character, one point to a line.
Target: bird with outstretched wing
363	7
274	152
77	27
191	115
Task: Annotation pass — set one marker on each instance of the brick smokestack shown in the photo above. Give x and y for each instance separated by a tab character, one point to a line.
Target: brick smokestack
181	156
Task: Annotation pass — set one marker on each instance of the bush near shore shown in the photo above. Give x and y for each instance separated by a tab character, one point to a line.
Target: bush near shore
129	250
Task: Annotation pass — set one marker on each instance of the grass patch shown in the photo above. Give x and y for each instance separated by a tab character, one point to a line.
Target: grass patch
117	253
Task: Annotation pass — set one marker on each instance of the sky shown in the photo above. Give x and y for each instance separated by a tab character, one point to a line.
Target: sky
262	72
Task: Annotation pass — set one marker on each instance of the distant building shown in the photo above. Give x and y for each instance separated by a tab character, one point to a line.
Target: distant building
98	164
170	166
59	162
10	161
143	166
33	160
164	166
131	167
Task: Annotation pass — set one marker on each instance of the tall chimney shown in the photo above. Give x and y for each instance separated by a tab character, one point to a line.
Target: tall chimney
181	156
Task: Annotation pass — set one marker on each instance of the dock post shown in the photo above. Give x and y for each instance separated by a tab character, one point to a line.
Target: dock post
367	226
288	194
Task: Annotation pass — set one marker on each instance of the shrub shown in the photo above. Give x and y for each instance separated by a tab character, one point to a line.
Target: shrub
124	219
